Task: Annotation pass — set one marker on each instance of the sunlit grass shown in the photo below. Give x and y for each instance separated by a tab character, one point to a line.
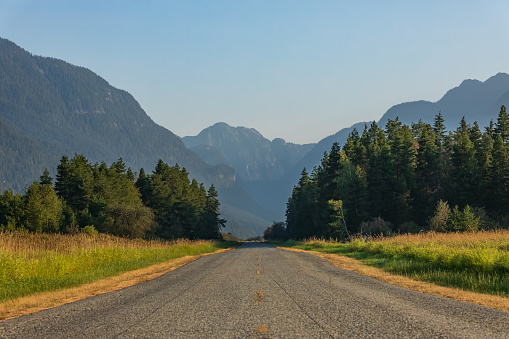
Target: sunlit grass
31	263
476	262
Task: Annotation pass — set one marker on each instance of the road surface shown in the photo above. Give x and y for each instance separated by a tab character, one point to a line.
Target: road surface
258	291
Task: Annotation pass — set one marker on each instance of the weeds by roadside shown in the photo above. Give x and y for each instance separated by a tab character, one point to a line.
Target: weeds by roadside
31	263
476	262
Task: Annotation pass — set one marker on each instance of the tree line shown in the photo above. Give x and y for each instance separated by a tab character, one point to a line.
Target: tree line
405	179
95	198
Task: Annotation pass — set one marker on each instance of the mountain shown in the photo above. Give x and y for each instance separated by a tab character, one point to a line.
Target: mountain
253	157
476	100
50	108
258	162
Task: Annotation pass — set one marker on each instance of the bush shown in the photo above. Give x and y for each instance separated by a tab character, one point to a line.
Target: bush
127	220
463	221
439	221
456	220
376	226
90	230
409	227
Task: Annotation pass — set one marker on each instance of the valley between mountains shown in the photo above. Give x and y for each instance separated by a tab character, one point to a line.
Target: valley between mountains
50	108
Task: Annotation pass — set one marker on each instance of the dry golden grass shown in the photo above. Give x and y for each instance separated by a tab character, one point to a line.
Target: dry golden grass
34	243
41	301
355	265
465	238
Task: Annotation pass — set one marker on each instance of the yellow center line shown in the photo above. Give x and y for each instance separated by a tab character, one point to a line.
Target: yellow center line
262	332
258	296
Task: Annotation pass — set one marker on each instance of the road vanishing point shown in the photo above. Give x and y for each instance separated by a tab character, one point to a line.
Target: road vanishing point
258	291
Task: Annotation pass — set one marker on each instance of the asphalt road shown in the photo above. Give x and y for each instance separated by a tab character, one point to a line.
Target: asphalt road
258	291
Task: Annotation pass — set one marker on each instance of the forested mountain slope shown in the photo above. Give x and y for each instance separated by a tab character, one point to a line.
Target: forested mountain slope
476	100
49	108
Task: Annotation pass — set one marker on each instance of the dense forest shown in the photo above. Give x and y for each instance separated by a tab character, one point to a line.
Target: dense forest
405	179
95	198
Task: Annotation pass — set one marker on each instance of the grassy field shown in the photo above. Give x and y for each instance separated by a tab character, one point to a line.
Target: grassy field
477	262
31	263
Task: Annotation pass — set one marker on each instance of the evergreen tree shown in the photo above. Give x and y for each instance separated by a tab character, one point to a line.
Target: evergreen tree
300	209
502	125
465	172
74	182
499	179
12	211
427	174
44	208
439	129
211	221
45	179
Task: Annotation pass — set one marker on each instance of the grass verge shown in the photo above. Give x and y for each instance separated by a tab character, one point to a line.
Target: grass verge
36	268
477	263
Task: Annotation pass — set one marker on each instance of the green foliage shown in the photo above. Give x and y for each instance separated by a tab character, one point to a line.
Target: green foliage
127	220
439	221
32	263
43	209
471	261
389	181
90	230
376	226
100	198
277	231
12	211
462	221
455	220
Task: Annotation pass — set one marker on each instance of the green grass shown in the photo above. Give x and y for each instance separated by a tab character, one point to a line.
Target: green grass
477	262
31	263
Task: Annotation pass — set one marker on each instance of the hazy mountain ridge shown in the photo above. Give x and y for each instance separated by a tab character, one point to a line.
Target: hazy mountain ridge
253	157
476	100
50	108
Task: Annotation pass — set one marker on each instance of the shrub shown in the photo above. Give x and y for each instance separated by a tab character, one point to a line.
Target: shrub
439	220
463	221
90	230
409	227
376	226
127	220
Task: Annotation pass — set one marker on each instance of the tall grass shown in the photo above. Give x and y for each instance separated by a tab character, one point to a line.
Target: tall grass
477	262
31	263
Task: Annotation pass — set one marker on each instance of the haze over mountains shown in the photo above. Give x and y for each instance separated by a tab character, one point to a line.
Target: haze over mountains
476	100
49	108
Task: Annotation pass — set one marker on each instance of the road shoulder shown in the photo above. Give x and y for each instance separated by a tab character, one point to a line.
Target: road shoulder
357	266
41	301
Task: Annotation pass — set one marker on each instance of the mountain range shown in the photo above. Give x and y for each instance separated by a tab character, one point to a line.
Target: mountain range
473	99
50	108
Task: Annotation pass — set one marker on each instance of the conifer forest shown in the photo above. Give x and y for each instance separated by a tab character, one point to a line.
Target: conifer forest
94	198
404	179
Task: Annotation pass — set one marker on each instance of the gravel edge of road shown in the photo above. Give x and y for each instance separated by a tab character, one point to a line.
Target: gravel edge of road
357	266
41	301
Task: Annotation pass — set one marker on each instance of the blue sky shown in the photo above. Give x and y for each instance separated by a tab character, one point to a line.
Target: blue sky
299	70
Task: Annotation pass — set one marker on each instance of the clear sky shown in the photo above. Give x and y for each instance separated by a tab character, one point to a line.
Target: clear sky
299	70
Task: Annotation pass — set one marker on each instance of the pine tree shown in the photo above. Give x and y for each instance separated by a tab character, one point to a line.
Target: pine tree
74	182
439	129
211	221
44	208
502	125
427	174
465	172
45	179
499	180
